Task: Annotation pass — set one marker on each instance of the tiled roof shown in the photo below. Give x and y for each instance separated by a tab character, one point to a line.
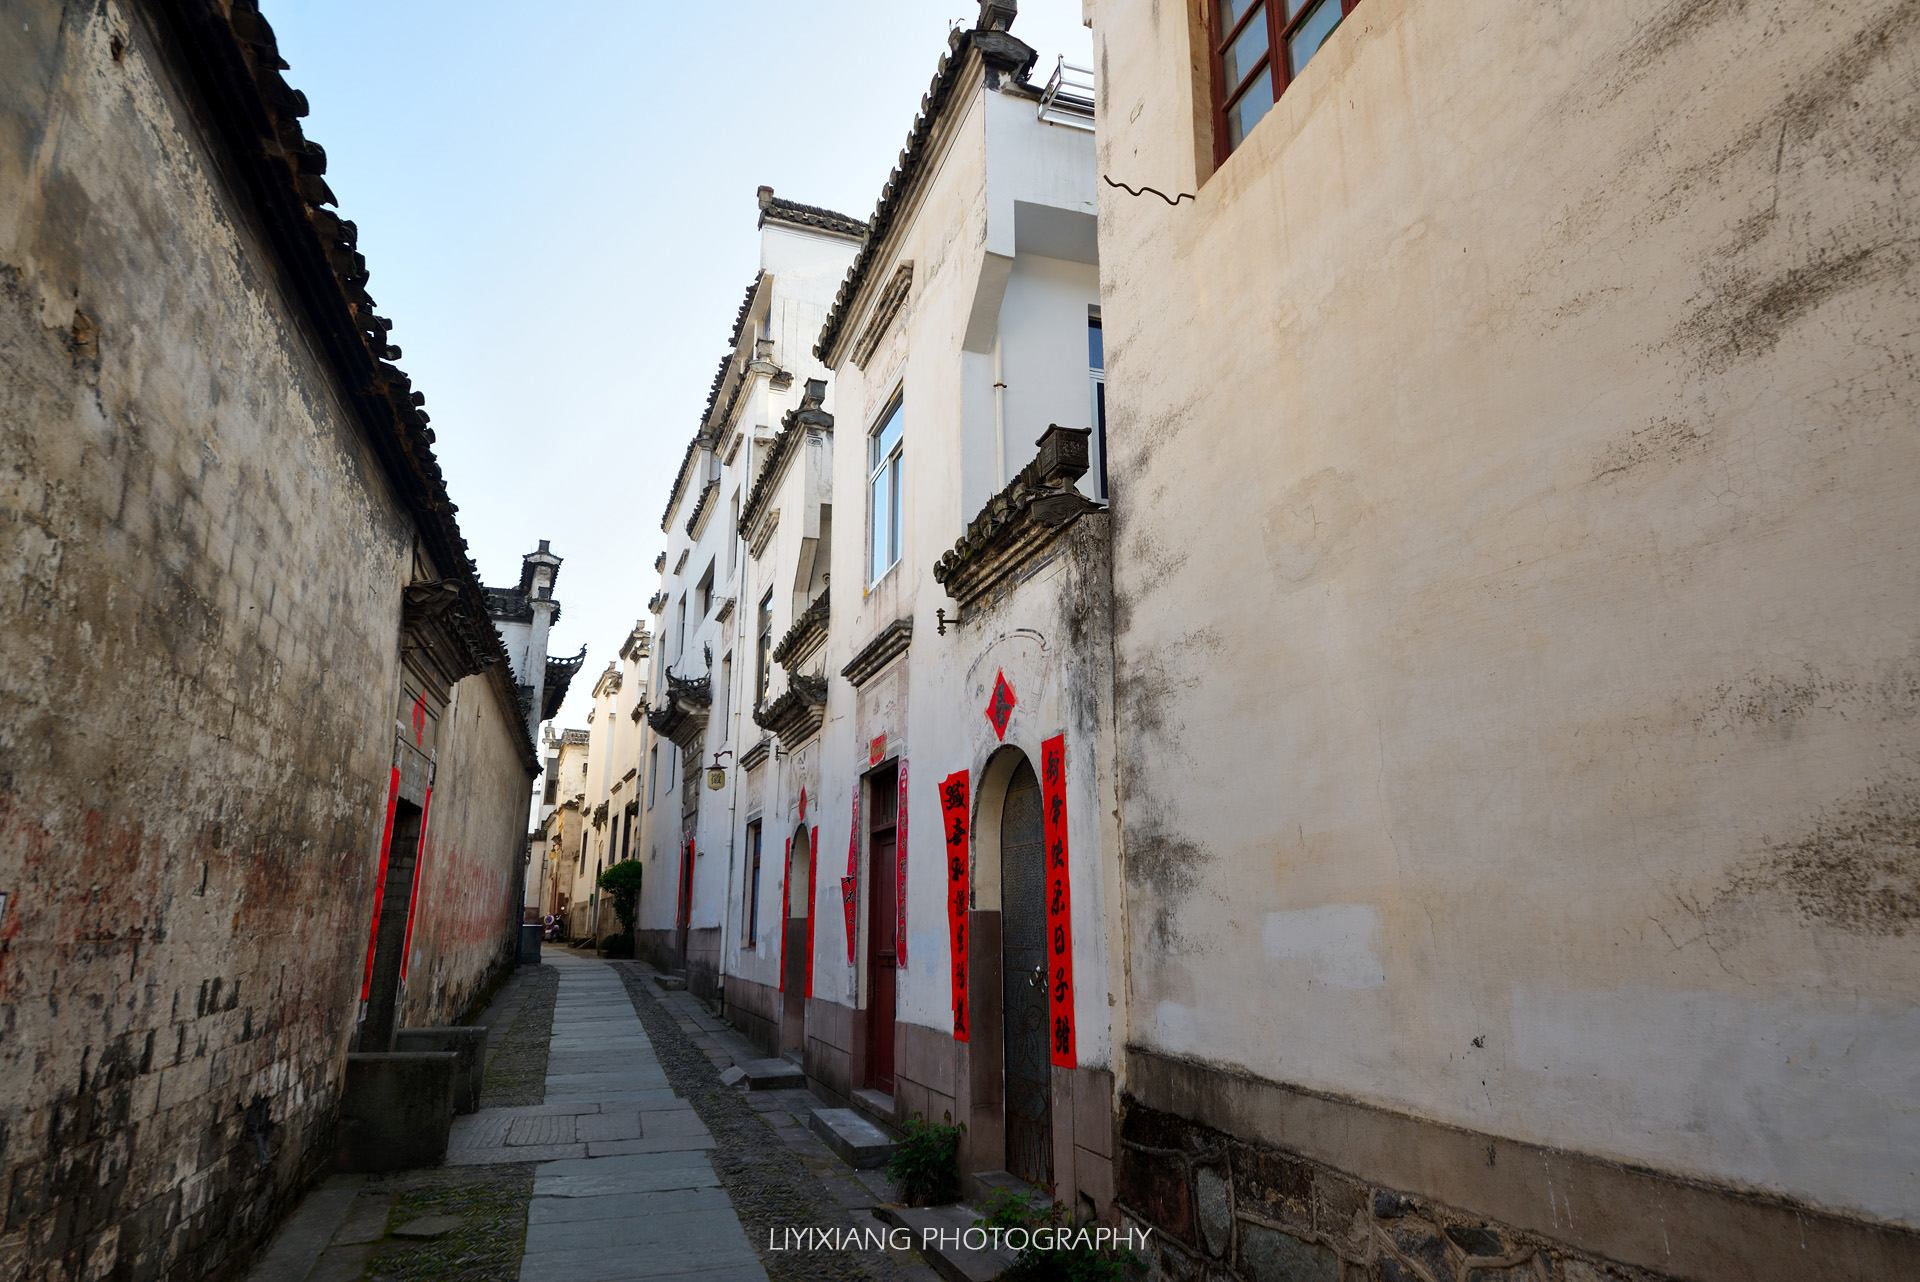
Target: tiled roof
1002	53
713	396
228	55
792	211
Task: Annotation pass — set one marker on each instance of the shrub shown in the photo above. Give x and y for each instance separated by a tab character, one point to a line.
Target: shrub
622	881
926	1165
1009	1210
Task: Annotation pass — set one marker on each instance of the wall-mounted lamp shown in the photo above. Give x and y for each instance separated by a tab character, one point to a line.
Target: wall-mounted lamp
717	773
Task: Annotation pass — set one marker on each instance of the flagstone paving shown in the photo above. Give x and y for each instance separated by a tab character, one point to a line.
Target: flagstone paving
623	1189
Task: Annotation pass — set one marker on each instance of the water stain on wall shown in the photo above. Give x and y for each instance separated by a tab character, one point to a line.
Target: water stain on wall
1857	868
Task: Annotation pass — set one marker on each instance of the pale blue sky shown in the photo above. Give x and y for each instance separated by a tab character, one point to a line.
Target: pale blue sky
557	208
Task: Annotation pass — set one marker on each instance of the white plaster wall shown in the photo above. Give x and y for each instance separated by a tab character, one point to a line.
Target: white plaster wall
1514	474
931	703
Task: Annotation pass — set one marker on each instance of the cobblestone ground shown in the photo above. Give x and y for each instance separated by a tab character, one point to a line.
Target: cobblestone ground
491	1203
767	1182
517	1074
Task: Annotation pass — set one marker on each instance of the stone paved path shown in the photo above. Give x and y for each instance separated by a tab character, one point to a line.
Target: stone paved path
624	1188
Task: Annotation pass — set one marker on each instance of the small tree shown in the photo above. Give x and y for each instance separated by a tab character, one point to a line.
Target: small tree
622	881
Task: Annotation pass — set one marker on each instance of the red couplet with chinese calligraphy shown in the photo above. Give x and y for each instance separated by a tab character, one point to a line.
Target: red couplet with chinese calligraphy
813	896
1053	801
900	871
786	880
850	884
953	823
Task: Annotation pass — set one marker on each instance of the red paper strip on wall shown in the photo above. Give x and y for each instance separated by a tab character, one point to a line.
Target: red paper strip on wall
953	824
813	896
786	880
1053	801
850	884
900	872
380	876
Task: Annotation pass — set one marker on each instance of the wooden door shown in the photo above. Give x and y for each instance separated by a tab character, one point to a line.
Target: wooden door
1023	983
881	925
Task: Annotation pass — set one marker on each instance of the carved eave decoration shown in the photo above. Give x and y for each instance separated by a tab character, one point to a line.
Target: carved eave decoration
702	508
808	417
438	634
682	717
660	564
725	611
807	635
600	815
757	754
656	603
796	715
889	645
881	320
1021	522
560	674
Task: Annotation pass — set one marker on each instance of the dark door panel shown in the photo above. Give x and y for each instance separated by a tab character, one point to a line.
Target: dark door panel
1023	988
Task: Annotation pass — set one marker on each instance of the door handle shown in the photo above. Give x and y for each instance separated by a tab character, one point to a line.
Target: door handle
1039	976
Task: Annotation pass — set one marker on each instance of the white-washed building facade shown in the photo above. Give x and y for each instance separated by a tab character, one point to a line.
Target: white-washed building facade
719	602
944	706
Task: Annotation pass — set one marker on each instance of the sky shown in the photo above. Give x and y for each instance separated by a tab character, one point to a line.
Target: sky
557	208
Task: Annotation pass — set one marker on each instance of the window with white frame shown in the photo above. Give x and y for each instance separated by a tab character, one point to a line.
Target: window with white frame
884	507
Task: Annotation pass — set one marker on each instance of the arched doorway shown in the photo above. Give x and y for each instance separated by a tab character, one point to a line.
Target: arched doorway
793	965
1023	987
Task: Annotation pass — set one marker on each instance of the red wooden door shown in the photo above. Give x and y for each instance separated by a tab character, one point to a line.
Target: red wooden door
881	961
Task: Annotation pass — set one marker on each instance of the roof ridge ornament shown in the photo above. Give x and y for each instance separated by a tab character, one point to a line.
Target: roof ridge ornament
997	15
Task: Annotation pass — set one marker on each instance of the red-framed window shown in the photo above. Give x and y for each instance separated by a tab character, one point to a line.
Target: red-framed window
1259	46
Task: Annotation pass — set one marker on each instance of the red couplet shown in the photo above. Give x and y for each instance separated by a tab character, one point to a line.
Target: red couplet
900	872
1053	801
953	823
380	878
850	884
786	881
813	894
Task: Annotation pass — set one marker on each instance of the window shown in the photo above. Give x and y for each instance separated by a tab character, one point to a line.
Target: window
703	595
883	507
680	641
626	837
653	772
1097	370
723	696
553	790
763	658
1247	77
733	533
752	905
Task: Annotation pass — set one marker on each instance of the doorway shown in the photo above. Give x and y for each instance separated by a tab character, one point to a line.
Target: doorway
882	924
1023	985
390	929
793	1005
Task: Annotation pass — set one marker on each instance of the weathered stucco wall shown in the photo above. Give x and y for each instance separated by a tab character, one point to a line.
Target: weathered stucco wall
198	674
1514	464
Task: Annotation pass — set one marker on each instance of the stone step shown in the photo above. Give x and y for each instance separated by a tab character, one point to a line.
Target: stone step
857	1141
877	1105
772	1075
942	1247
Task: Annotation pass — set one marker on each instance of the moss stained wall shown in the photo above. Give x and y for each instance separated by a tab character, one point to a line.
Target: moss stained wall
199	669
